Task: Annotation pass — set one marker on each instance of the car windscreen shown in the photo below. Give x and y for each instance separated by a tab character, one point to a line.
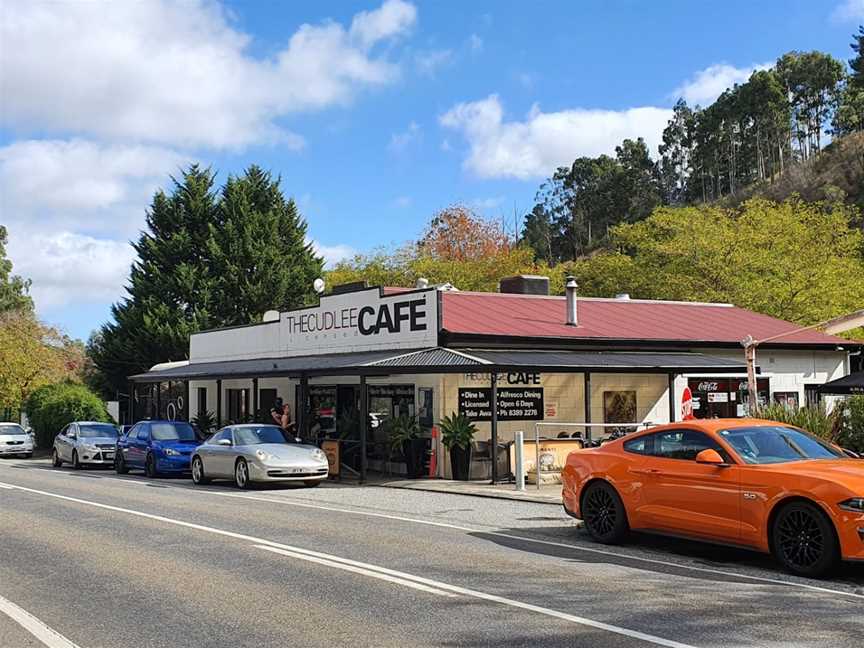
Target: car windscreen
12	429
770	444
258	435
92	431
172	432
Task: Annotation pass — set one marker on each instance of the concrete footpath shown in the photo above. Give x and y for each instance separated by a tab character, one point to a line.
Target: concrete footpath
547	494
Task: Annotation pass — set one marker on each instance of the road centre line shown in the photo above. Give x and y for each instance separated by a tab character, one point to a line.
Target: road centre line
435	584
512	603
510	536
44	633
402	579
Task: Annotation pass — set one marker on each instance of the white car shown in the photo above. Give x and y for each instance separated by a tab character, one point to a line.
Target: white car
15	440
257	453
85	442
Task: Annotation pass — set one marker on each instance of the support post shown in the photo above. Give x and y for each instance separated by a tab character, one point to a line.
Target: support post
133	392
158	401
493	445
520	461
672	409
187	410
753	396
218	403
587	403
364	423
255	399
302	413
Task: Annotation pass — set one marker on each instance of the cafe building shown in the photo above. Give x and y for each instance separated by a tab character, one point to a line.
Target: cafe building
568	369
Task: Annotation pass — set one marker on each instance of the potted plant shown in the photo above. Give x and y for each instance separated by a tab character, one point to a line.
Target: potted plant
205	421
457	434
404	433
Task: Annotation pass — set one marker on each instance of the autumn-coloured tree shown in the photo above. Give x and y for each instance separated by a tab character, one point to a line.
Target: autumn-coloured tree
458	233
32	355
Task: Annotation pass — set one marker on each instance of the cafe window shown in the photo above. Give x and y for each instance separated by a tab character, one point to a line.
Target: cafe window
789	399
238	405
619	407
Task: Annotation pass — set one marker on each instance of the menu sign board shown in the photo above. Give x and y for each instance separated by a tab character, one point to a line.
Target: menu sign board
514	403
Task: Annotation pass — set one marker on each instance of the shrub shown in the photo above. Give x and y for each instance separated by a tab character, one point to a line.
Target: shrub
816	419
51	407
852	436
205	421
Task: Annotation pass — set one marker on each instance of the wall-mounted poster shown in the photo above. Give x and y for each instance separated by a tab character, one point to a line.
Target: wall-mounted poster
619	407
424	407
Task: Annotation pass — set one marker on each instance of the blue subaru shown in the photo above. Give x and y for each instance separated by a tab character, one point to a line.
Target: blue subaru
156	447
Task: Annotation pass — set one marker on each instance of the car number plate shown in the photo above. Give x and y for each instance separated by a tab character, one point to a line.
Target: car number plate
297	470
108	455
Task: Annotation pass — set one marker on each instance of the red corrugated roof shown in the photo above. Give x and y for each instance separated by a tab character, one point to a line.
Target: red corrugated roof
497	314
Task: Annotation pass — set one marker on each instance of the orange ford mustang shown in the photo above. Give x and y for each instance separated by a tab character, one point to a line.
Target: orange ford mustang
757	484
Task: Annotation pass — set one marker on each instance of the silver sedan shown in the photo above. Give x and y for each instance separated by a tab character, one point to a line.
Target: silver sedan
85	442
257	453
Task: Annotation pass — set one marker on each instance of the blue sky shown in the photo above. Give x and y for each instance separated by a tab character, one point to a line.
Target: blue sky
375	115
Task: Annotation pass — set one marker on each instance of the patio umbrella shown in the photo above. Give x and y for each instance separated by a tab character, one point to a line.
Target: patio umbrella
851	384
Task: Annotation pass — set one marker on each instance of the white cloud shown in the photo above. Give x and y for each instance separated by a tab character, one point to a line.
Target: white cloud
179	73
848	11
708	84
403	202
488	203
81	185
393	18
333	254
429	62
399	142
67	267
533	148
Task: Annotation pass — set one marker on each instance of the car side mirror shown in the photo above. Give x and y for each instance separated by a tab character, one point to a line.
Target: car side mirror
224	442
71	436
711	457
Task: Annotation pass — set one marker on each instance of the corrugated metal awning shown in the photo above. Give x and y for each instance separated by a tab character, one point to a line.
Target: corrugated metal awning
444	360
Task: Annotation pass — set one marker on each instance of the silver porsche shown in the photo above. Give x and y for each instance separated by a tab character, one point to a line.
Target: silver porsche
253	453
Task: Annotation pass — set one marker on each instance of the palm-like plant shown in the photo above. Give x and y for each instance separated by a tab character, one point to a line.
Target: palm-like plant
457	431
401	430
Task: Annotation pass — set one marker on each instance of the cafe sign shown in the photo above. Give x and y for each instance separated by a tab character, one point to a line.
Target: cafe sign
514	403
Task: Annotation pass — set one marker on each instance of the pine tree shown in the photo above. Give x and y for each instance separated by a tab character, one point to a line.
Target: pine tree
856	78
207	259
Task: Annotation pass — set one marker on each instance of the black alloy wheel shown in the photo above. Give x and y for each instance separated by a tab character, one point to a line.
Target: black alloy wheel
603	513
55	458
150	467
76	465
804	540
120	466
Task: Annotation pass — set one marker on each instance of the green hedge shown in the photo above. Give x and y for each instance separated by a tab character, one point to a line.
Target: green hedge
51	407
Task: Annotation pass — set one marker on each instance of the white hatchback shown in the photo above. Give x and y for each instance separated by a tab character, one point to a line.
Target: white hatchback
14	440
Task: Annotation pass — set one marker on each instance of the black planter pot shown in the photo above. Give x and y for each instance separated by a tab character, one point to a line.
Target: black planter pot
414	451
460	463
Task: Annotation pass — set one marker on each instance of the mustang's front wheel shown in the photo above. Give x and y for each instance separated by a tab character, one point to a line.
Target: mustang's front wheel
603	513
804	541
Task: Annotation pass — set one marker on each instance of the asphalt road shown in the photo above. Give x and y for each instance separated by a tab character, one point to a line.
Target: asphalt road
108	561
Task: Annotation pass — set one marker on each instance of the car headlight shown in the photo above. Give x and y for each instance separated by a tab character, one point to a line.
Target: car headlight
263	456
855	505
319	455
170	452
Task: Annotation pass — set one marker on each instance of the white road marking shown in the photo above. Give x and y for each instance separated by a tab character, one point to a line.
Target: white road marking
502	600
499	534
47	635
435	584
5	486
366	570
